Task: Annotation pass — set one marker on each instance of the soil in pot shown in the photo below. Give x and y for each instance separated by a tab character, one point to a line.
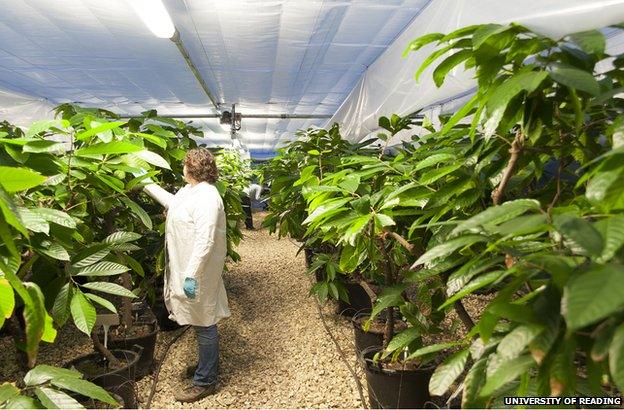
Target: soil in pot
139	334
392	386
375	334
359	301
120	380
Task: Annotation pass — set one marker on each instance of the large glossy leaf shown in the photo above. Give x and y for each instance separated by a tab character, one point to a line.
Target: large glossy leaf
102	302
60	309
612	230
506	372
102	269
7	300
580	232
113	147
433	160
430	349
56	251
85	388
325	208
99	129
592	41
7	392
33	221
139	212
10	212
56	399
34	317
15	179
616	357
498	214
504	93
153	158
402	339
355	228
390	296
575	78
474	380
90	255
445	374
122	237
593	295
475	284
55	216
83	313
442	70
43	373
514	343
448	247
108	287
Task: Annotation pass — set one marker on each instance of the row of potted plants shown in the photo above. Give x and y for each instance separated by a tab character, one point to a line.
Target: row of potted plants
79	239
518	194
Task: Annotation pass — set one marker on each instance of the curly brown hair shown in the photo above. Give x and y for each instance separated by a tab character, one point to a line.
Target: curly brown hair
201	166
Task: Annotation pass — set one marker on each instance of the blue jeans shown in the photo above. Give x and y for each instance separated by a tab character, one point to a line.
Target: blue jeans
208	367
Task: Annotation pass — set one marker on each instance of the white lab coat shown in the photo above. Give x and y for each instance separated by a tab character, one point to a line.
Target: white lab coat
195	239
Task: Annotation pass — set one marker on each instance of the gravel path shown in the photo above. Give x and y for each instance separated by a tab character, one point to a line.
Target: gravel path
274	349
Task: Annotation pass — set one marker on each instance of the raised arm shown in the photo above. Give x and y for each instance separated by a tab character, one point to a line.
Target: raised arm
159	194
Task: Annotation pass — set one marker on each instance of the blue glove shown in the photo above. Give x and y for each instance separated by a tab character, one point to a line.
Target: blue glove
189	287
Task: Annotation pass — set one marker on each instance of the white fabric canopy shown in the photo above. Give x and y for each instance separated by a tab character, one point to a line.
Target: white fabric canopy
388	86
321	57
267	56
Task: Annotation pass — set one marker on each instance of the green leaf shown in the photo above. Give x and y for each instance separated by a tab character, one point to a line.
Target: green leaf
433	160
422	41
402	339
575	78
434	348
34	316
153	158
580	232
593	295
448	247
507	372
612	230
10	212
56	399
7	300
102	269
33	221
55	216
497	214
355	228
85	388
102	302
592	42
14	179
475	378
83	313
390	296
23	402
433	175
475	284
99	129
43	373
55	251
90	255
60	309
483	33
42	146
113	147
514	343
616	357
384	220
442	70
504	93
44	125
324	209
122	237
139	212
108	287
350	183
7	392
446	374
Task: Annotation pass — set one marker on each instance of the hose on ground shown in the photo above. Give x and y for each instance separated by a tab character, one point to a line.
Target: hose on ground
160	362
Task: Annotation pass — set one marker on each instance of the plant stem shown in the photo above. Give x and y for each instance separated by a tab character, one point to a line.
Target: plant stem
463	315
515	150
389	275
402	241
114	362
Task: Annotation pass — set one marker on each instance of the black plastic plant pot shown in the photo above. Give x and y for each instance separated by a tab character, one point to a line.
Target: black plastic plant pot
89	403
359	301
162	316
395	389
309	254
147	342
372	338
118	381
142	313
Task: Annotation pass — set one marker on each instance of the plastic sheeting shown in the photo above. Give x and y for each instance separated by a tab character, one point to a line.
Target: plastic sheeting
267	56
22	109
388	86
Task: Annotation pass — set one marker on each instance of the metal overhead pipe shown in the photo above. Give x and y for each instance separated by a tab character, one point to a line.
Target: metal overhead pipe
187	57
267	116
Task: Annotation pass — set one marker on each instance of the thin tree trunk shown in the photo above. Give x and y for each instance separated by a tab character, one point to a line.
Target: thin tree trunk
463	315
114	362
515	150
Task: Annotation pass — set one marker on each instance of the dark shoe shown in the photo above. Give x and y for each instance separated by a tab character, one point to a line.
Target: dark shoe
194	393
190	371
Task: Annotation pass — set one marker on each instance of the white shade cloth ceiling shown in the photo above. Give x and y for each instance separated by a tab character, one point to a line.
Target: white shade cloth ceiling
323	57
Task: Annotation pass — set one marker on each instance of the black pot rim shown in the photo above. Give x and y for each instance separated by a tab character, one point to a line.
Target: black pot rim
91	356
154	330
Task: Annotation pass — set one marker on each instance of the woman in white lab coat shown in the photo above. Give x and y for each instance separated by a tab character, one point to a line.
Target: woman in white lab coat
195	241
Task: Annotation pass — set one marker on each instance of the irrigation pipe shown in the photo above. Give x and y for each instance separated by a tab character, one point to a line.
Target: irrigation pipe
160	362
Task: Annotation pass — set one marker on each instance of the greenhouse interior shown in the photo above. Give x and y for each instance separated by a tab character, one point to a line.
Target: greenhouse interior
311	204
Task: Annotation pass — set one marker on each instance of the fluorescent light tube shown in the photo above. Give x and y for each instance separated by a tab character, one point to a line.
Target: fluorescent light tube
155	16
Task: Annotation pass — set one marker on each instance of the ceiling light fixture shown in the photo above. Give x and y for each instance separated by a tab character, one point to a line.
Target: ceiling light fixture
155	16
